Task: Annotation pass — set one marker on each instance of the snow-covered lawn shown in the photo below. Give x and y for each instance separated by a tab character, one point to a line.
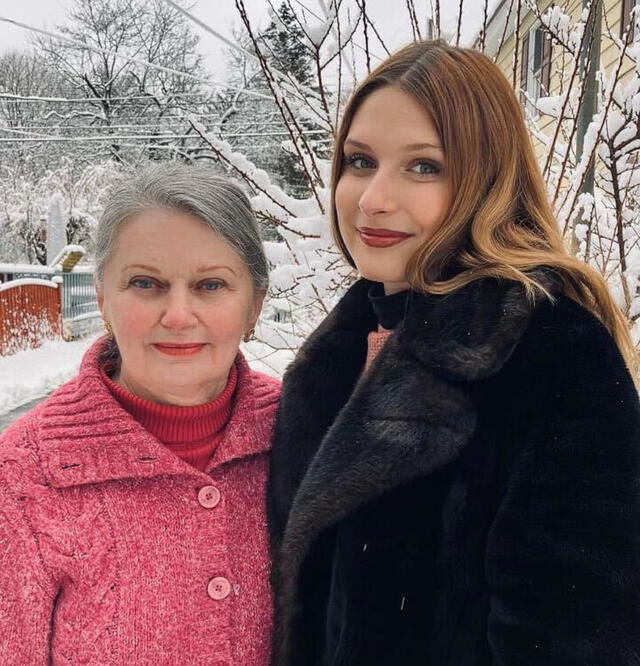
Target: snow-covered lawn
29	375
32	374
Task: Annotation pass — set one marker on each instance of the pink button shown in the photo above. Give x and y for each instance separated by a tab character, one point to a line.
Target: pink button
219	588
208	496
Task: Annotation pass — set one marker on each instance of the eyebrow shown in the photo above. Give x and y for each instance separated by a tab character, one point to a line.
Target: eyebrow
207	269
144	267
410	146
200	269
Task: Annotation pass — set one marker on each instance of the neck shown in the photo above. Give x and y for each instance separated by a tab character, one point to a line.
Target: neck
394	287
176	396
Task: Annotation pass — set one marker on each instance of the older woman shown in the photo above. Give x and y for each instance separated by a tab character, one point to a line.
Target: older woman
132	520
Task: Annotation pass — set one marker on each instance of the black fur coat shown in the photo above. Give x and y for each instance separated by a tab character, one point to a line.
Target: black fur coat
472	500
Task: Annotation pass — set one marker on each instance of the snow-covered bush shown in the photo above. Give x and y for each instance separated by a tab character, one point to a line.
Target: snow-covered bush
25	203
595	191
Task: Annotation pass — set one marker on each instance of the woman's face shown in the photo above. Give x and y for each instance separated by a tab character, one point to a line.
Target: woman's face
393	192
179	299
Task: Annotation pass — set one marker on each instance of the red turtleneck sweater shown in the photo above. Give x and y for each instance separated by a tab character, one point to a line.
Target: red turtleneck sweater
192	433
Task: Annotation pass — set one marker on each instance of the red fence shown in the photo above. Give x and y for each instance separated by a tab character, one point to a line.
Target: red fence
30	312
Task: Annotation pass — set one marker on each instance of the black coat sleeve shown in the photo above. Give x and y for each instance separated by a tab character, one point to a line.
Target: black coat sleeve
563	552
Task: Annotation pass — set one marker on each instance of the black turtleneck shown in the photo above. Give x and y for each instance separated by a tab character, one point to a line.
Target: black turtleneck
390	309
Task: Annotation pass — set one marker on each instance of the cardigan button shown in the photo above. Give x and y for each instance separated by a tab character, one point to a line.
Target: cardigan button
208	496
219	588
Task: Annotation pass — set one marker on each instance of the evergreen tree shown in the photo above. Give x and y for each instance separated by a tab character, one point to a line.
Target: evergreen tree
286	46
285	49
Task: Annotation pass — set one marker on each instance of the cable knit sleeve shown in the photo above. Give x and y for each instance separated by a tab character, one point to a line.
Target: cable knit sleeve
27	591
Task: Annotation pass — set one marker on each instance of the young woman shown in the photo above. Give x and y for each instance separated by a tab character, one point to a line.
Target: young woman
132	501
455	476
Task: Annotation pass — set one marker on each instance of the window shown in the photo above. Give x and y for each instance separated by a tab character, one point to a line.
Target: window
535	67
625	19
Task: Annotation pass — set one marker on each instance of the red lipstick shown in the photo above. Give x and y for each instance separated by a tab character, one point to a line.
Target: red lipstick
179	348
381	237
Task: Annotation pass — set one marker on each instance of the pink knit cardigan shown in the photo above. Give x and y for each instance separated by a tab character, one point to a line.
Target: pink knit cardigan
115	551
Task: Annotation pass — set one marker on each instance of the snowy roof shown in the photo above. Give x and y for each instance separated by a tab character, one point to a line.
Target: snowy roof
27	281
68	257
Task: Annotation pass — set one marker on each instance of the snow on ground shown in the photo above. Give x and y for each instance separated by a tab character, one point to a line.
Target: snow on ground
33	373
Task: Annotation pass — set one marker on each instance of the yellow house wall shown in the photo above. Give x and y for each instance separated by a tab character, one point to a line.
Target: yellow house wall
609	51
561	70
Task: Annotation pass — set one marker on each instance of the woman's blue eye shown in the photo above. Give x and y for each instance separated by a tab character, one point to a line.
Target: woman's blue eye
360	162
425	168
210	285
143	283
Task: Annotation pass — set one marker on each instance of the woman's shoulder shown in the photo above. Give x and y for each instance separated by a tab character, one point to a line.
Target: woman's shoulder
567	323
24	431
567	341
266	388
23	475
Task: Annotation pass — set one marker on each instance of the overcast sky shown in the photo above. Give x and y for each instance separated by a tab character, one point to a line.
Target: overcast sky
390	17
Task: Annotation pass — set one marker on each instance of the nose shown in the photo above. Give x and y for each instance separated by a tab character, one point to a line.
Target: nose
178	311
378	197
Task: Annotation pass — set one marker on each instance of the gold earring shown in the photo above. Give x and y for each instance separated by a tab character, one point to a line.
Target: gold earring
108	329
249	335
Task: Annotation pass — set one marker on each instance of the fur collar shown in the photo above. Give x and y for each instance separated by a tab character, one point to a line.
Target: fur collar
342	439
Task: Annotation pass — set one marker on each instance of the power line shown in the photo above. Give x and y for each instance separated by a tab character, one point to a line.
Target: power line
144	63
106	128
65	139
309	10
154	146
211	31
149	97
28	99
157	125
33	136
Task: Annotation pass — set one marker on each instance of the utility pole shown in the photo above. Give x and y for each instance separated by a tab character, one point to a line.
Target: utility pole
589	65
429	30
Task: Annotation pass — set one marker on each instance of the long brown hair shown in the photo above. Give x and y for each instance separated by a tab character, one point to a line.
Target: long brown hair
499	223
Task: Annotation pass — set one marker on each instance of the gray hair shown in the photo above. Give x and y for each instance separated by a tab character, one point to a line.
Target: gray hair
216	201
